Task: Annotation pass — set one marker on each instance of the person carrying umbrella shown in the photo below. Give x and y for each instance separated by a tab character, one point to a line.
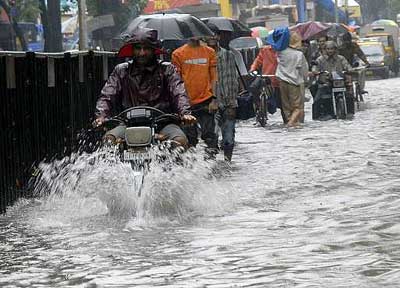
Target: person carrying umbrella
227	89
197	65
144	81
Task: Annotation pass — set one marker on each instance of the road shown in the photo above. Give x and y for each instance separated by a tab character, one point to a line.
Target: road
311	207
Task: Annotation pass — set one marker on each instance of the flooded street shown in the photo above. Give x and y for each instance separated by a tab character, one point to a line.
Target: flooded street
311	207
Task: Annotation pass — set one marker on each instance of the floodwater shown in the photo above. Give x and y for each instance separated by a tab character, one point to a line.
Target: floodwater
311	207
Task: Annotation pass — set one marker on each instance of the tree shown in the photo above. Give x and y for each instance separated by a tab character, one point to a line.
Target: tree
28	10
14	23
123	10
51	19
373	9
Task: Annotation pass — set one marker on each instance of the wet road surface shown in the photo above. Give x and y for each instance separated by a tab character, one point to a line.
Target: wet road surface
311	207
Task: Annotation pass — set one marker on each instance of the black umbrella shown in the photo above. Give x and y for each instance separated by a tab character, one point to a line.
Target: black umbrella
334	31
171	26
228	24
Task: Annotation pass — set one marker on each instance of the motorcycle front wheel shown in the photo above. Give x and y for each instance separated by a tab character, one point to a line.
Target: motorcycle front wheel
340	109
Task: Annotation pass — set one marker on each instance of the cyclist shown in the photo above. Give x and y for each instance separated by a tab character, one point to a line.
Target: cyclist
267	60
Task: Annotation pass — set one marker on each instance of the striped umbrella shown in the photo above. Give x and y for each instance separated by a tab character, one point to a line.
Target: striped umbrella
260	32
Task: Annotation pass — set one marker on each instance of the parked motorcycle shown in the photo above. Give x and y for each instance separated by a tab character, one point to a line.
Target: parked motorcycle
332	100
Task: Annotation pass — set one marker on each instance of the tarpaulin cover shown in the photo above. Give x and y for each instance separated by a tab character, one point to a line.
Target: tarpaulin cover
279	39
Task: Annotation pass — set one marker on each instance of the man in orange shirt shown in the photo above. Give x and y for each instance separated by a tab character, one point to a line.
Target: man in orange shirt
267	59
197	64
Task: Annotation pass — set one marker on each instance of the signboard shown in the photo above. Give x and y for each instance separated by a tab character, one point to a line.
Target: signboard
160	5
354	11
276	21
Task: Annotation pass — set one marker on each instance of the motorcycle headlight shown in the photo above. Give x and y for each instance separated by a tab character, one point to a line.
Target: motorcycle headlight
338	83
138	136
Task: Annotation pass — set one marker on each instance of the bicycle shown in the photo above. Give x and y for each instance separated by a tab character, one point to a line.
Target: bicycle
358	95
261	102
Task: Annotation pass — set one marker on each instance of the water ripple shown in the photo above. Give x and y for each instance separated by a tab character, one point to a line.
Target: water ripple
310	207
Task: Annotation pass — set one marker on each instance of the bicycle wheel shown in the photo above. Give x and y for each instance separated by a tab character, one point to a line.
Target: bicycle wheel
262	112
360	97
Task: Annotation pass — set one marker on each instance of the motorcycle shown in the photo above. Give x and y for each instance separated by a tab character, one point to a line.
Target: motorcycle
143	124
332	100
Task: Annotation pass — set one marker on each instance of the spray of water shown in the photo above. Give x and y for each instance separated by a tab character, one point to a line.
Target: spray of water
174	187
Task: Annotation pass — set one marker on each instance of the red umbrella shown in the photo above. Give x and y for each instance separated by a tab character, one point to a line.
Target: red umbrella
126	51
310	29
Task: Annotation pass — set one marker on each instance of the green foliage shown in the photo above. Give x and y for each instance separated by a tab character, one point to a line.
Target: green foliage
28	10
122	12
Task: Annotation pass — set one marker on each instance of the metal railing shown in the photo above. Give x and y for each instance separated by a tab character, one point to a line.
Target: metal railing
46	99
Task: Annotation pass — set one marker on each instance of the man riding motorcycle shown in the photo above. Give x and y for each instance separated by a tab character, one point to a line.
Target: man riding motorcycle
144	81
331	63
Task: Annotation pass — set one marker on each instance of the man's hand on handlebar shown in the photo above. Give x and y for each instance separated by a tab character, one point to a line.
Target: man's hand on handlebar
99	121
188	119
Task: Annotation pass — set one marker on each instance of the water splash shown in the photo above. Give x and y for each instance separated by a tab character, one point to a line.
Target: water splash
176	187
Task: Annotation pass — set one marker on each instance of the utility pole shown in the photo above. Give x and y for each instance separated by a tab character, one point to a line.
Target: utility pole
83	37
54	42
301	10
336	12
389	9
226	10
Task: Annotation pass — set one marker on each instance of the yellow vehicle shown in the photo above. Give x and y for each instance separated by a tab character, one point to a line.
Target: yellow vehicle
379	60
388	36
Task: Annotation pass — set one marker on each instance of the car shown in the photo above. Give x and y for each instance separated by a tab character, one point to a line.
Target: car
378	59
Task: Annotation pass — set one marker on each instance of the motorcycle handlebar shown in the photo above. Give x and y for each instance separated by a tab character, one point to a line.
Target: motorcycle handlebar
254	74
